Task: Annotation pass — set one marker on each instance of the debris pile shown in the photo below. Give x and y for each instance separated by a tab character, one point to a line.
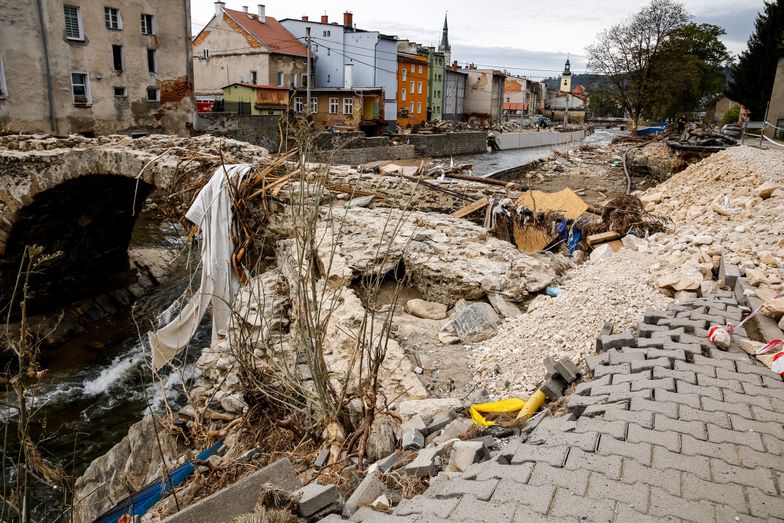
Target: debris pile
701	137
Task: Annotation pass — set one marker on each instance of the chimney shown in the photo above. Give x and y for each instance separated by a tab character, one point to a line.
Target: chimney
219	8
244	8
305	18
324	19
348	19
262	13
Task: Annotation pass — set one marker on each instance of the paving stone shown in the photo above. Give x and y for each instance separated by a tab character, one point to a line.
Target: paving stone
555	456
760	478
693	428
640	452
610	389
601	487
652	343
368	515
615	429
646	330
638	366
690	326
760	401
594	361
687	388
578	404
670	354
526	514
652	315
627	396
664	504
667	479
629	378
695	447
754	379
586	440
658	384
683	375
536	497
315	497
758	369
691	339
660	406
773	382
567	504
764	505
761	414
751	458
774	428
714	362
586	386
641	418
705	381
637	434
756	390
610	466
472	509
615	341
720	435
711	405
707	370
683	398
624	513
567	369
621	368
697	465
448	488
520	472
690	349
730	515
615	357
439	507
687	413
547	475
698	489
729	356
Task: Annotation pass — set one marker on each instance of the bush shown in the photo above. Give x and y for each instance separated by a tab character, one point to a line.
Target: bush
731	116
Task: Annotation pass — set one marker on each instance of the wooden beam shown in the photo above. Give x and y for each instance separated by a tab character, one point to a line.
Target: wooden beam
471	208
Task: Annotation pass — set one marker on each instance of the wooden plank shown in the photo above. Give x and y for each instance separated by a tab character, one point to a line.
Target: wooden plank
471	208
602	237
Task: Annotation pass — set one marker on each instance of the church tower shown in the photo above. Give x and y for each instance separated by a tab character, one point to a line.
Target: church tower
566	78
444	46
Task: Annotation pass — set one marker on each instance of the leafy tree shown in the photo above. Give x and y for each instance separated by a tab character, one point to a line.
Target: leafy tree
630	54
731	116
603	104
752	77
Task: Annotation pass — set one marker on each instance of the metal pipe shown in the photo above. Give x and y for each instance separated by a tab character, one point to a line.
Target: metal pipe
49	81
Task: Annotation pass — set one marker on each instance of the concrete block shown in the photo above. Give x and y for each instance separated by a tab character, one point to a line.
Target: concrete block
607	329
615	341
440	421
413	439
424	463
567	369
728	273
385	464
314	498
322	458
455	429
366	493
553	388
466	453
652	316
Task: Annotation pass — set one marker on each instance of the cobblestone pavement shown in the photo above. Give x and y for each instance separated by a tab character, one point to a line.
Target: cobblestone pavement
668	429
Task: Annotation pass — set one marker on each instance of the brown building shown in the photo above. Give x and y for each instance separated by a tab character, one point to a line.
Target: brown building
246	47
360	108
82	66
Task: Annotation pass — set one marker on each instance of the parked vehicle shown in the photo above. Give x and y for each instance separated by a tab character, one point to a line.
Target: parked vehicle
732	130
542	121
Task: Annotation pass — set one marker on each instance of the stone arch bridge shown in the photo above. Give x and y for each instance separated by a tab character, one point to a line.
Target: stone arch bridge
82	197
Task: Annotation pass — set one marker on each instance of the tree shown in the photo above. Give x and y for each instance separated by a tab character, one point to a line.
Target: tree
752	77
630	54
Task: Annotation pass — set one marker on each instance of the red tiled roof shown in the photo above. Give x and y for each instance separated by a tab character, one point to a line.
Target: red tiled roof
513	106
271	33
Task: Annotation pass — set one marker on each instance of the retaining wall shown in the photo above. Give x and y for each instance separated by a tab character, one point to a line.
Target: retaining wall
536	139
364	155
447	144
258	130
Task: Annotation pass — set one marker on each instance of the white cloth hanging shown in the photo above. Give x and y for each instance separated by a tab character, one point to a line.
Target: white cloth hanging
212	212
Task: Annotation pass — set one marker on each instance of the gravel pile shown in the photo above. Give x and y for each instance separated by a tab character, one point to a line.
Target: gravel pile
617	289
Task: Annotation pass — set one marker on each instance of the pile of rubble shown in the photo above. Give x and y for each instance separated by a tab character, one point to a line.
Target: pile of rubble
702	136
729	204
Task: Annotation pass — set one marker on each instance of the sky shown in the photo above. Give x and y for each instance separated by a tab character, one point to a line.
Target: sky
524	37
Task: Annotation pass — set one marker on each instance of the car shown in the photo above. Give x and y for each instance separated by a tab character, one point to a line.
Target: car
732	130
542	121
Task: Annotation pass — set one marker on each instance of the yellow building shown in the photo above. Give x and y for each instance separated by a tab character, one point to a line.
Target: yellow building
255	100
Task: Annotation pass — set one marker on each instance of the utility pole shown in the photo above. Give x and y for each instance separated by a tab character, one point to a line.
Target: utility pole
307	85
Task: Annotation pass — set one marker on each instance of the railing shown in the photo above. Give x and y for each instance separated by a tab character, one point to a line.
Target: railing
761	126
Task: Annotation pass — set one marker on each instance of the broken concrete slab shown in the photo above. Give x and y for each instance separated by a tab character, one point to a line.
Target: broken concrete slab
424	463
466	453
504	307
413	439
477	322
366	493
427	408
428	310
314	498
455	429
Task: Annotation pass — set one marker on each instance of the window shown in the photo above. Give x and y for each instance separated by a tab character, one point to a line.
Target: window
120	92
403	94
152	61
205	54
413	68
328	78
293	79
112	16
117	57
153	95
419	107
348	106
253	77
410	107
314	105
147	28
280	78
73	22
420	69
327	33
412	85
3	86
403	73
298	105
304	80
328	51
419	88
333	106
80	87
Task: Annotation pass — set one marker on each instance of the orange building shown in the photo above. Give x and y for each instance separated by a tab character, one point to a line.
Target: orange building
412	75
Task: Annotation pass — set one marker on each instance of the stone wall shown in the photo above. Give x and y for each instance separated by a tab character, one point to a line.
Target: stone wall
366	154
257	130
447	144
536	139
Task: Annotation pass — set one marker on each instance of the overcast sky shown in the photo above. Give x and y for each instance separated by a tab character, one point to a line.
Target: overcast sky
529	38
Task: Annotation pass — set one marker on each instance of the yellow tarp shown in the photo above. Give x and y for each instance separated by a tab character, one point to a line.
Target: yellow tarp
564	201
526	408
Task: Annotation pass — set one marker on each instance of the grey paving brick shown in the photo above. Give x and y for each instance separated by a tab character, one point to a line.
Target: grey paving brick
708	370
626	513
688	388
720	355
664	504
585	440
713	362
600	410
763	391
604	370
627	396
629	378
670	354
368	515
660	406
773	382
546	475
683	398
697	465
594	360
720	435
647	343
773	445
610	466
578	404
668	479
586	386
555	456
700	489
670	440
754	379
459	486
615	356
473	509
760	478
646	330
615	341
711	405
640	452
704	343
687	413
683	375
537	497
774	428
601	487
693	428
641	418
652	315
761	414
637	366
568	504
749	399
751	458
765	505
615	429
725	514
751	367
424	505
609	389
519	472
525	514
705	381
695	447
690	349
659	384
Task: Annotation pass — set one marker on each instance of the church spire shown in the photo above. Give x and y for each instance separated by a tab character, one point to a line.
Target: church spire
444	46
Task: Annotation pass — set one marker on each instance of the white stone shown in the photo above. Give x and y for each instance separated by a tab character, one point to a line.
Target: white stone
426	309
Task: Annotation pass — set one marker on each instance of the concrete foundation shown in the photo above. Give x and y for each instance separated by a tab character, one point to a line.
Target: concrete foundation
537	139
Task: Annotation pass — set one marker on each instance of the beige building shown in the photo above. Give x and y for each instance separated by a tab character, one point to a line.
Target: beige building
246	47
484	95
776	110
95	67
